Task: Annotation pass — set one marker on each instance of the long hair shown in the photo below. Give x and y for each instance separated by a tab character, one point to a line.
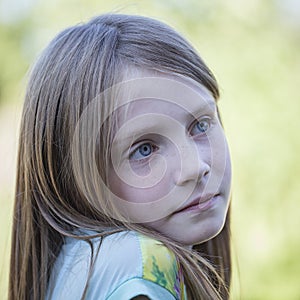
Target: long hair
77	66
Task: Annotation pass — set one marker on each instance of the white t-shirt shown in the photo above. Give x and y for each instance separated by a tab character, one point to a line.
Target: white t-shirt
128	264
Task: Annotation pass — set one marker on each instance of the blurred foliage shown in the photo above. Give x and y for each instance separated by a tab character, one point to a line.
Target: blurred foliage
12	61
253	49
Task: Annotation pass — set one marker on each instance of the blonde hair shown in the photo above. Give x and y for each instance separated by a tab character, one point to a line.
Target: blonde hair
77	66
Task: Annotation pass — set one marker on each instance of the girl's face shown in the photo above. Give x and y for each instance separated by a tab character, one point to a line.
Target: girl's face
170	167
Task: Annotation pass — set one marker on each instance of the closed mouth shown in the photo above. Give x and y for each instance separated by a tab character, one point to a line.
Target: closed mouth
195	203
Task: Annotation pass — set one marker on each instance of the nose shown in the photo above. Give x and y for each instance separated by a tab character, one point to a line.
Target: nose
194	164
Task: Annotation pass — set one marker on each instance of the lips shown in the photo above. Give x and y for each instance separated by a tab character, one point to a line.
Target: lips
197	203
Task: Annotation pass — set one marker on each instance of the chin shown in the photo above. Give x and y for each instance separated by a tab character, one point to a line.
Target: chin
203	234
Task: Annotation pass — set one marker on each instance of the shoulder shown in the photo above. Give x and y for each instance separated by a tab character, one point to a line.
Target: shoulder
159	275
103	264
127	265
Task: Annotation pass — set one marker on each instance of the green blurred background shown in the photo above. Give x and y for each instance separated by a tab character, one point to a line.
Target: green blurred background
253	49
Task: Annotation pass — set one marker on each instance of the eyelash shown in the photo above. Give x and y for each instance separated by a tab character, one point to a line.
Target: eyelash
154	147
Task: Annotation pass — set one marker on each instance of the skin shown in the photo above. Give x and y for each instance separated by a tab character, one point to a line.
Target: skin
170	160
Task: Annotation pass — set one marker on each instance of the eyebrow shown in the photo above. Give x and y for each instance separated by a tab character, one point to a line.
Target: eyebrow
152	128
211	105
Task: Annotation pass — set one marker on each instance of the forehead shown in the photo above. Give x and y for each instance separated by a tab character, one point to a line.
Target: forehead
162	93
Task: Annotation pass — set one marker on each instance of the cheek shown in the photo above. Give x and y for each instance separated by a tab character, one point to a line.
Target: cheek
228	173
141	170
219	161
148	172
223	171
147	188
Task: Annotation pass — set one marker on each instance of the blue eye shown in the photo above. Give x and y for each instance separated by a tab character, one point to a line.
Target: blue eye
142	151
200	127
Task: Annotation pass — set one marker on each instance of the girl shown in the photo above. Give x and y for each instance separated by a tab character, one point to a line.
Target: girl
124	174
